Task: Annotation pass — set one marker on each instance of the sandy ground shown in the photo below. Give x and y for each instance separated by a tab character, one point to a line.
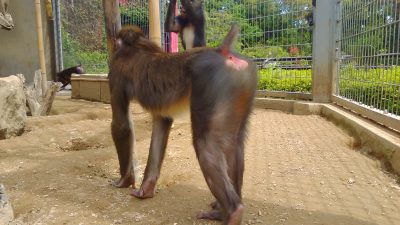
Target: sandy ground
299	170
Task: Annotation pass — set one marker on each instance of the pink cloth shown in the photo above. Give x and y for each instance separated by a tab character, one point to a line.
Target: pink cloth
174	37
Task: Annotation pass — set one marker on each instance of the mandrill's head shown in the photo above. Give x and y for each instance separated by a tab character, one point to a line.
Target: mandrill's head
131	40
191	6
128	36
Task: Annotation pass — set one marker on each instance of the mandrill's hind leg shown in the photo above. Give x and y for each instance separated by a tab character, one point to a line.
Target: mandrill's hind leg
215	146
123	137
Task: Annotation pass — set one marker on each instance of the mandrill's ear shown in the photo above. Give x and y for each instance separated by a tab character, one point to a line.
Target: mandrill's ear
129	35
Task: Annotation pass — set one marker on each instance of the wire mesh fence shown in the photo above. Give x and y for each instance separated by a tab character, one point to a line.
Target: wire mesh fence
83	36
137	13
369	63
275	34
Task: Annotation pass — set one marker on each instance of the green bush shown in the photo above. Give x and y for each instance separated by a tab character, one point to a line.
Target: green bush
285	80
74	53
379	88
261	51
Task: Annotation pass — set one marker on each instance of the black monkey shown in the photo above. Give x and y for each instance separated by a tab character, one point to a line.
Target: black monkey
310	15
64	76
190	23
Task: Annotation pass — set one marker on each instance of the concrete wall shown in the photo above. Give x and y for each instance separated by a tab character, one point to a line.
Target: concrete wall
92	87
18	47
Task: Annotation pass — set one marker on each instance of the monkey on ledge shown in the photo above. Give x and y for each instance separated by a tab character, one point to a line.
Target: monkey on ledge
217	85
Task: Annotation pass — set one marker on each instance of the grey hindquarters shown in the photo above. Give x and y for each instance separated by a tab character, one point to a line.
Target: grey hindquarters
221	102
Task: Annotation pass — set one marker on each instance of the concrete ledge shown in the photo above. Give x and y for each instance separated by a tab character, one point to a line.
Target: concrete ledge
274	104
284	95
289	106
92	87
370	137
386	119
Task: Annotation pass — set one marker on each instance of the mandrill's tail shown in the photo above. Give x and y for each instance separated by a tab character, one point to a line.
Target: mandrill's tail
232	60
227	45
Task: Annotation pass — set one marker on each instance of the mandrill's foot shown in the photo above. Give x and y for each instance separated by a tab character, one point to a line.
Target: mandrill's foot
236	217
146	190
125	182
215	205
211	215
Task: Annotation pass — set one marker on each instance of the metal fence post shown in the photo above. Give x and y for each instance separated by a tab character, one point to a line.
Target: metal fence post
324	50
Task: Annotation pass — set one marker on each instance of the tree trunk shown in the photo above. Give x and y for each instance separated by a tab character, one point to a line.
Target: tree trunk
112	19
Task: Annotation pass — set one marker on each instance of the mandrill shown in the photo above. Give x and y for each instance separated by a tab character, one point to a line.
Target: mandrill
217	85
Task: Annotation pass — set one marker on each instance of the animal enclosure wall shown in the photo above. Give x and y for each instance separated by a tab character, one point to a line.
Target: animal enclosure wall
19	47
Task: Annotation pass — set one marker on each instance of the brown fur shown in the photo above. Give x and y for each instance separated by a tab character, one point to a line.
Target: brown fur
220	99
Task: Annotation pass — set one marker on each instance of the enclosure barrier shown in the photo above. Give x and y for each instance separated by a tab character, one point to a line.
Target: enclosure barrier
275	34
349	56
368	69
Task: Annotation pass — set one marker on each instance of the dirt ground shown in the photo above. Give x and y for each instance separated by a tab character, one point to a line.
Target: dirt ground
299	170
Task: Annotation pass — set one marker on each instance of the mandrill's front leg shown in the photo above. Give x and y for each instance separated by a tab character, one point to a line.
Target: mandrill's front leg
123	137
159	140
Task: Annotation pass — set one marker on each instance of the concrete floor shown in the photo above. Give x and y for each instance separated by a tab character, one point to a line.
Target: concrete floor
308	163
300	169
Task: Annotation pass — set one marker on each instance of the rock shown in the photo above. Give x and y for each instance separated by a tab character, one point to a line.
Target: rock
6	212
12	107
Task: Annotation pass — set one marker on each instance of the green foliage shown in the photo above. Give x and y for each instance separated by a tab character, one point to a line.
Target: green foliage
380	96
260	51
220	14
285	80
372	30
139	14
379	88
74	53
84	21
263	24
83	35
